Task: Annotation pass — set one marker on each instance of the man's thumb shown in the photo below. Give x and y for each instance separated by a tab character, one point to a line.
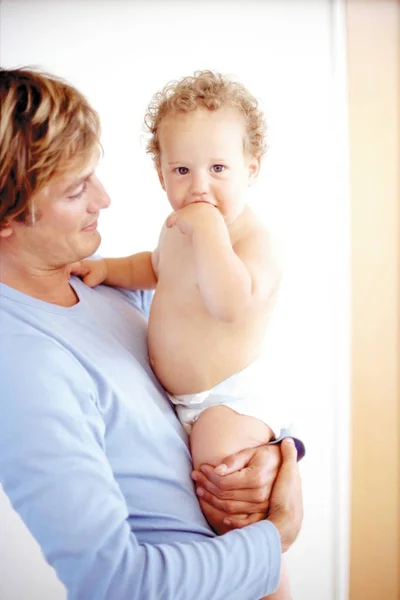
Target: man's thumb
235	462
288	450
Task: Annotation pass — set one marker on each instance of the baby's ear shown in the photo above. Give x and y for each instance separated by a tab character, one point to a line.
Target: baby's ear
254	168
160	177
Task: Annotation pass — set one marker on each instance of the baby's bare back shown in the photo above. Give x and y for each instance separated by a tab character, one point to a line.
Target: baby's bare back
190	350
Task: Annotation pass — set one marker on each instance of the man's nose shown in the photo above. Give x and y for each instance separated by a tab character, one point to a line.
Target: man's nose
100	198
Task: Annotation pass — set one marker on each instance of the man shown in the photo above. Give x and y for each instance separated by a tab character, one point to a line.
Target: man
92	455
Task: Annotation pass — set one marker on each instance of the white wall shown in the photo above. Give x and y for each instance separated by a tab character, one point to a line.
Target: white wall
290	55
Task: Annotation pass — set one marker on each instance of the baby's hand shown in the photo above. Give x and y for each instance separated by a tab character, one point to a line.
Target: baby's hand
192	217
92	272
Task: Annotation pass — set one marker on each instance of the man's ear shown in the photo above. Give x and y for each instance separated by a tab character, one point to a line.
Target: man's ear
6	230
254	168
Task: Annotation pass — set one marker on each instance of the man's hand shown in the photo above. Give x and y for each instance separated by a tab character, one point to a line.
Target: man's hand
236	493
286	507
193	217
92	272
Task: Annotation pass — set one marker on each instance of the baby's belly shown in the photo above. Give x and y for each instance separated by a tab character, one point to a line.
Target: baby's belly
191	352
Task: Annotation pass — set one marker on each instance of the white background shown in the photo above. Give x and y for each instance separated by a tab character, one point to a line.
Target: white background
290	55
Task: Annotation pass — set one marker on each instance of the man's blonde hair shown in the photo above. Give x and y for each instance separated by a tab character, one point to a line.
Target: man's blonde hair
210	90
47	129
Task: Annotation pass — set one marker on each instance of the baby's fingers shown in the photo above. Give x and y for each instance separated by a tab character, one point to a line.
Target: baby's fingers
77	268
92	279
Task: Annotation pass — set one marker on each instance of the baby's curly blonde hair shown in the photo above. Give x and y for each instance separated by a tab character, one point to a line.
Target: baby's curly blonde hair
214	91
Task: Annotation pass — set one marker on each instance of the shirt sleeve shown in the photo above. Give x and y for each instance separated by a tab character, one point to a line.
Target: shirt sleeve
54	469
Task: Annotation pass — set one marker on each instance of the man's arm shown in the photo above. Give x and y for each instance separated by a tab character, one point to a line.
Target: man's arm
54	469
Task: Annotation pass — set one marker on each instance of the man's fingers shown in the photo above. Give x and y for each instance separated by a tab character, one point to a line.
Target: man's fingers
288	476
215	517
255	495
289	451
237	523
233	507
251	468
286	507
245	478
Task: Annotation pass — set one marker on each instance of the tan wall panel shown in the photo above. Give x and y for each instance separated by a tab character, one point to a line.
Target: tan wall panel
373	45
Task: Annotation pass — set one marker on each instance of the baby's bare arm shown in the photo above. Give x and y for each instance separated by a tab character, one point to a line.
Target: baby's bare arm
258	252
223	280
235	278
136	272
132	272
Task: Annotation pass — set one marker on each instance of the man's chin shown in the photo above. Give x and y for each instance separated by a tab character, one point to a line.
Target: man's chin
95	241
91	245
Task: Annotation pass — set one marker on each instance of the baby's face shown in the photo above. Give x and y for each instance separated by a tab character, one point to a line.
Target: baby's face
202	159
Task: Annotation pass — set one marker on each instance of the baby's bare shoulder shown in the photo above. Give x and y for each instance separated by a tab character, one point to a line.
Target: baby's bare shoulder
256	238
259	249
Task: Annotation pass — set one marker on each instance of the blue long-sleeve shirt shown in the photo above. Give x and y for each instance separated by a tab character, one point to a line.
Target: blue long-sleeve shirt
96	463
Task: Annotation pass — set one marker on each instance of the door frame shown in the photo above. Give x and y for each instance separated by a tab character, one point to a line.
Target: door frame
373	58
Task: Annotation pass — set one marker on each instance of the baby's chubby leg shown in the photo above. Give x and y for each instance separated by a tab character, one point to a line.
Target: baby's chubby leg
219	432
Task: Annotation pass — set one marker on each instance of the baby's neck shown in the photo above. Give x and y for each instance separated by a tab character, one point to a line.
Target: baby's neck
237	226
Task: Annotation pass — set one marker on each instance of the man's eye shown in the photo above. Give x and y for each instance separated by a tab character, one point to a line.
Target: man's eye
218	168
80	193
182	170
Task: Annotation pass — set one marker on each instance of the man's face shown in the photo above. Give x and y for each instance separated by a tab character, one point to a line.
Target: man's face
64	223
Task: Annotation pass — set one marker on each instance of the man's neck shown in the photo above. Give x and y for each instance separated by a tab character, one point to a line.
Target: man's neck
50	286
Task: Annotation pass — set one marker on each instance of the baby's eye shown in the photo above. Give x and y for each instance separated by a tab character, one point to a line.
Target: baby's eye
182	170
218	168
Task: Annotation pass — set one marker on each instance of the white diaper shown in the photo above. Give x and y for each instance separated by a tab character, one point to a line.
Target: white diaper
242	392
